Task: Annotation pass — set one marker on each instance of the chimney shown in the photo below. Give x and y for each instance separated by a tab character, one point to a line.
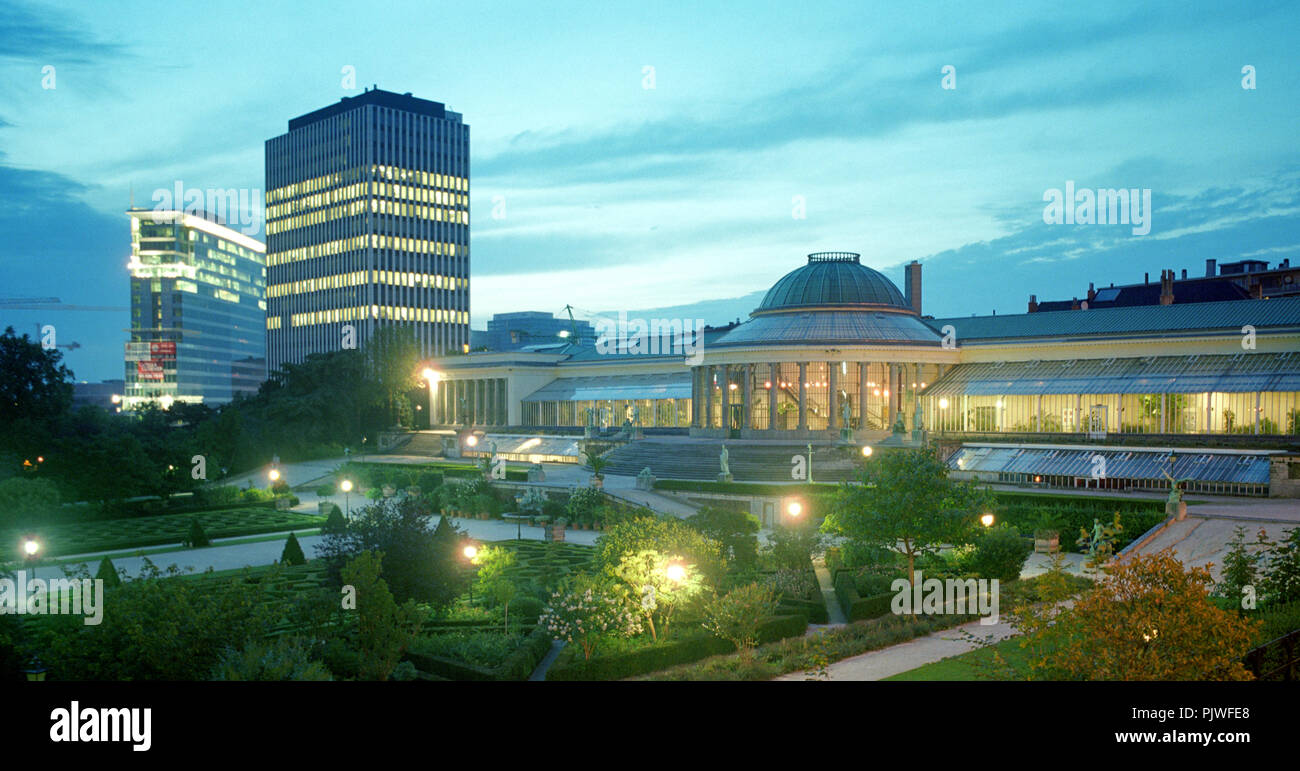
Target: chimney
1166	287
1092	293
1146	278
1075	305
1210	269
912	285
1184	274
1033	303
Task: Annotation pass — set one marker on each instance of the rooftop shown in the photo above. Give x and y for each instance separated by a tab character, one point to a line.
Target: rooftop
380	98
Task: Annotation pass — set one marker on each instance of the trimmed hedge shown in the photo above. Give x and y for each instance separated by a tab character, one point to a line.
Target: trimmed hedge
855	606
570	666
517	666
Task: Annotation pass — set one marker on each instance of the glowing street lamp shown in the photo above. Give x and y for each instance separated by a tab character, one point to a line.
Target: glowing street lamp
346	487
987	519
470	552
794	509
866	451
274	475
471	440
31	548
676	573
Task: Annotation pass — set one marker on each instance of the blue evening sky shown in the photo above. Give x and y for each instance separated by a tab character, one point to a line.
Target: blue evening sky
622	197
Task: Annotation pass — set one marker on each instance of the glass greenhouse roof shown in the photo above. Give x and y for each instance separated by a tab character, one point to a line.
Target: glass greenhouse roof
577	389
1121	463
1236	373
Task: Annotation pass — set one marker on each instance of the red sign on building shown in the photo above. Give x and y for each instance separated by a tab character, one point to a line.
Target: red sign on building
149	370
163	350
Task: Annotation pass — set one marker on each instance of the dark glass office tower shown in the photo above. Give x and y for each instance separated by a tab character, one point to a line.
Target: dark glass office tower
367	224
198	307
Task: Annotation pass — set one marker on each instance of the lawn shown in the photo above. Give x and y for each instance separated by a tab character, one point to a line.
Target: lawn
974	665
134	532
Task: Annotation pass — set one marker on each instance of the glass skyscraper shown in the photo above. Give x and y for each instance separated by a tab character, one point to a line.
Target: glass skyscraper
198	305
367	224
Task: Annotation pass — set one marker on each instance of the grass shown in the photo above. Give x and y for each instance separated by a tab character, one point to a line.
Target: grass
973	665
121	534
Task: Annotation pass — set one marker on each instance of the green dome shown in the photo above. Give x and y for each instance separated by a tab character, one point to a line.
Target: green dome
832	279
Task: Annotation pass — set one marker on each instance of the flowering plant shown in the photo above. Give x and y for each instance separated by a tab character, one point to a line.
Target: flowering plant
587	611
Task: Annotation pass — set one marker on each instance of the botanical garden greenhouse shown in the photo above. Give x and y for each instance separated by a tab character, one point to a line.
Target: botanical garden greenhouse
835	345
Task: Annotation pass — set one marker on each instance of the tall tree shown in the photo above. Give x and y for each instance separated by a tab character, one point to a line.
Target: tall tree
906	501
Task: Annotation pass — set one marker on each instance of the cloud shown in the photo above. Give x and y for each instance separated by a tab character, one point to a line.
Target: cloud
40	36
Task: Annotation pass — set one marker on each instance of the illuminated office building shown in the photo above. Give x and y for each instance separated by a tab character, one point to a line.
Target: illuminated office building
198	305
367	225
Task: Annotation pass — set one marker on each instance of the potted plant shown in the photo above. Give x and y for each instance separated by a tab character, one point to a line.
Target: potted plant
598	465
1047	533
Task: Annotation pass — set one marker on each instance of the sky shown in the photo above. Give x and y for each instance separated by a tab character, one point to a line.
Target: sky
676	155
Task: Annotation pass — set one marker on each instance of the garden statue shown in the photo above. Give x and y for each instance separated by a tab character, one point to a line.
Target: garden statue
1100	542
1174	505
900	424
722	459
918	420
464	412
636	414
846	413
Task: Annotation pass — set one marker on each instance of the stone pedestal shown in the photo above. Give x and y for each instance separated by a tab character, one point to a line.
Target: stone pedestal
645	480
724	478
450	447
588	432
536	473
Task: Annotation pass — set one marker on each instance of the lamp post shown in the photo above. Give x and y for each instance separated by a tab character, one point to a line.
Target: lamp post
987	519
35	670
31	551
346	487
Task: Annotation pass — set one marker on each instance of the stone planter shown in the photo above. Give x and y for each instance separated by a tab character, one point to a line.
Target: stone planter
389	491
1047	541
597	482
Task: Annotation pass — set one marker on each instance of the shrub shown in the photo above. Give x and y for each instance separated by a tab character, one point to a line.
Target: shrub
582	505
223	495
1001	553
737	615
196	538
325	490
793	547
428	480
107	573
737	531
334	521
586	612
279	661
292	554
528	609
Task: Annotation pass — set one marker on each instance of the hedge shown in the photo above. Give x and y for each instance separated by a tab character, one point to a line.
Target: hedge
517	666
855	606
570	666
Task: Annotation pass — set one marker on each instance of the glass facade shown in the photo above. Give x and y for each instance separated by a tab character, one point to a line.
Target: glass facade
198	304
367	212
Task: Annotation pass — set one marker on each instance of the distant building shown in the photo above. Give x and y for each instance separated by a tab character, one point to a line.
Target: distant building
367	225
1242	280
513	331
198	309
86	394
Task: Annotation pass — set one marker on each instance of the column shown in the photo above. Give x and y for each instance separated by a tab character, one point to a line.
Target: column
803	396
695	397
1164	411
708	396
725	421
892	399
862	394
774	373
833	403
1257	412
747	398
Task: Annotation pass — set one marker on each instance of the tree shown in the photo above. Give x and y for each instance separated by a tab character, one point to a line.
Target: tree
292	554
394	363
736	531
587	611
27	501
737	615
34	384
492	563
1240	566
792	546
658	585
334	522
1282	576
907	502
384	628
419	563
1001	553
108	574
197	538
1148	619
667	535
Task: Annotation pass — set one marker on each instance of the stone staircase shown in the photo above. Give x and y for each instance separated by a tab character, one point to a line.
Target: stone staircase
699	461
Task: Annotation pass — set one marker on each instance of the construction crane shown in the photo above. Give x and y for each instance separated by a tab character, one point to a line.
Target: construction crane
573	326
51	304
